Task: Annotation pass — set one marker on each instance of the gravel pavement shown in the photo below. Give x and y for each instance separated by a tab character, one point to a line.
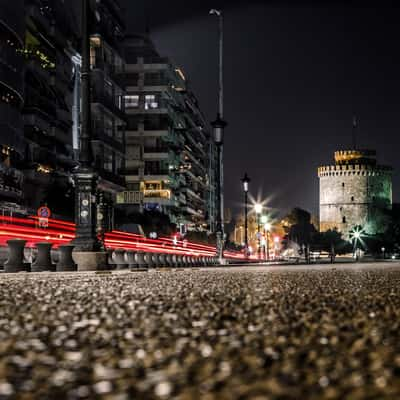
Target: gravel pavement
328	332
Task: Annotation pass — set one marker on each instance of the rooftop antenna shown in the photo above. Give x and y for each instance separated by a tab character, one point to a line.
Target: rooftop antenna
354	131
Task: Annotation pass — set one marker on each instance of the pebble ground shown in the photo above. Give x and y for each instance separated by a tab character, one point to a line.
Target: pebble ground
229	334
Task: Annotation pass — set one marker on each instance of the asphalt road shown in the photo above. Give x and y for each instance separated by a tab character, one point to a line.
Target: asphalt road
319	332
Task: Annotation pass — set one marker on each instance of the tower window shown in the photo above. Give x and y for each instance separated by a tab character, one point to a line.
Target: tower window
342	184
352	198
344	220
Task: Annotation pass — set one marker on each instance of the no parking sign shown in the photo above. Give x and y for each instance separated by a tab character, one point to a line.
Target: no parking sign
44	214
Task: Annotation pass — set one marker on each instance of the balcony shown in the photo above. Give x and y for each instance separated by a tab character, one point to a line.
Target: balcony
99	133
110	102
130	197
110	181
10	182
156	153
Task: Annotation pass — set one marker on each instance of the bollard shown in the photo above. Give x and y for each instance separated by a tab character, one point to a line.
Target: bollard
174	261
141	260
119	259
149	260
110	259
162	261
168	260
15	261
180	261
65	261
43	260
130	257
156	260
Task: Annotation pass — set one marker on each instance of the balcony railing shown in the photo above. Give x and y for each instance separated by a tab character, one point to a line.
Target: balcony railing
130	197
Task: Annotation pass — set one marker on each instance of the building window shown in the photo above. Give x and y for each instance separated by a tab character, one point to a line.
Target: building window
343	184
132	101
344	220
108	160
352	198
150	102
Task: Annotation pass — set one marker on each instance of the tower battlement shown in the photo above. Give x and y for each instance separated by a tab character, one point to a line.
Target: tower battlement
355	157
354	169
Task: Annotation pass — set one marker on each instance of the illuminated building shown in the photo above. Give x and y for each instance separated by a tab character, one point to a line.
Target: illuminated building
355	191
11	103
107	105
168	143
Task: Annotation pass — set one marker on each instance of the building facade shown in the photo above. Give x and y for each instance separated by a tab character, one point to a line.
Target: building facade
12	32
107	106
168	145
47	112
356	191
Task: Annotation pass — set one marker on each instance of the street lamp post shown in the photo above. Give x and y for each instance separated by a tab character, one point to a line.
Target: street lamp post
218	126
246	181
85	178
258	210
267	228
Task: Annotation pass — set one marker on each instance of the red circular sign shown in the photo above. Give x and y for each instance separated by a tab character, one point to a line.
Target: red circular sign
44	212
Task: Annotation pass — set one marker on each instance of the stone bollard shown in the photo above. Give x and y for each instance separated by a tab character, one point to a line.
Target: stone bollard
174	261
141	260
130	257
65	261
119	259
180	261
43	260
110	259
156	260
161	258
149	260
15	261
168	260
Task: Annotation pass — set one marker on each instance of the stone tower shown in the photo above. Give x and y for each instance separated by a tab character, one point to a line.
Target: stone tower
355	191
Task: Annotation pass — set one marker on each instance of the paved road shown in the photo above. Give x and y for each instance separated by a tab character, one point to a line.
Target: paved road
298	332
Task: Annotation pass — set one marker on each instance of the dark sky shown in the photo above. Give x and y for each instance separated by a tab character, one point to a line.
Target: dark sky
296	72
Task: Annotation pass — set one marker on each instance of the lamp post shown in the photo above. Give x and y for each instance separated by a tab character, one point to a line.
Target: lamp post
85	178
356	237
246	181
258	210
267	229
218	126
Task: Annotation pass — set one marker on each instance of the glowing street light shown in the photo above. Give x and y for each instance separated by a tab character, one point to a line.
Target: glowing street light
246	181
356	235
258	209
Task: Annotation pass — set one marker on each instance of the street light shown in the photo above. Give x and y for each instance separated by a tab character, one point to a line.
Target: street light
356	235
258	209
246	181
218	126
85	178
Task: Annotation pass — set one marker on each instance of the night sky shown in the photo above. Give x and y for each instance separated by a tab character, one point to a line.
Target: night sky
296	72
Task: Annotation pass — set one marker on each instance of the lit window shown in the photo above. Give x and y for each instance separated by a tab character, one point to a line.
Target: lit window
150	102
132	101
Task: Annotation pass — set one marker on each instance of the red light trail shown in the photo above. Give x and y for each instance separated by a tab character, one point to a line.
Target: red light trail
62	232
